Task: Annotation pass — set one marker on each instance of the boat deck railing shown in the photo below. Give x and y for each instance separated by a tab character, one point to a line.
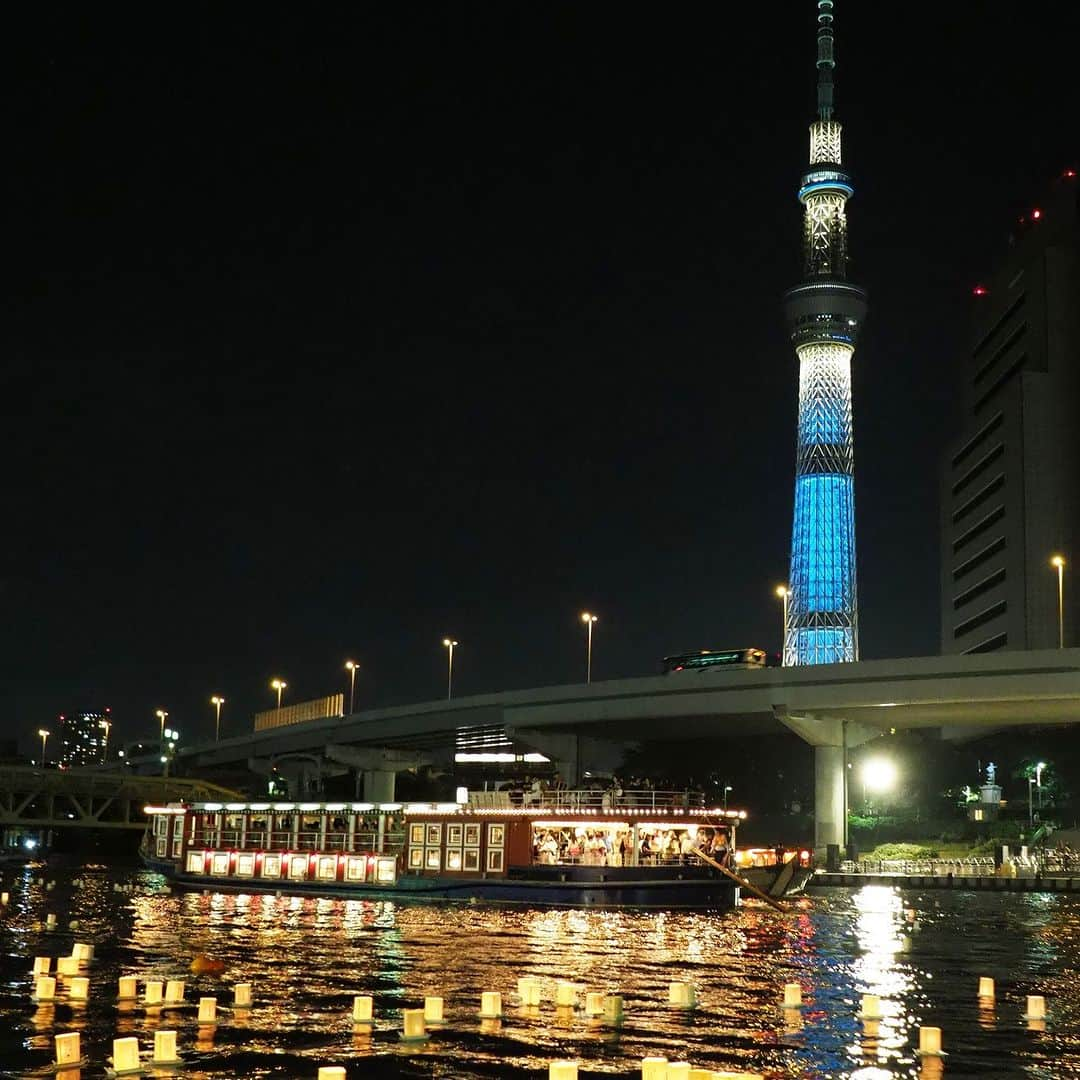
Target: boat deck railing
591	799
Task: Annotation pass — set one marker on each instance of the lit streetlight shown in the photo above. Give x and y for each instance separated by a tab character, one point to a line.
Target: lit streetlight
44	735
878	775
1038	779
278	685
217	701
1058	563
783	592
727	788
588	620
350	667
161	714
451	645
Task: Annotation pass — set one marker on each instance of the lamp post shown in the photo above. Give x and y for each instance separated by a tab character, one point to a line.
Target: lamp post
1031	814
727	788
783	592
351	667
44	735
588	620
217	702
451	645
1058	562
1038	779
107	725
278	685
161	714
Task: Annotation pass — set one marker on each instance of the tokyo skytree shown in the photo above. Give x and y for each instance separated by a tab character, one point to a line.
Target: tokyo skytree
824	315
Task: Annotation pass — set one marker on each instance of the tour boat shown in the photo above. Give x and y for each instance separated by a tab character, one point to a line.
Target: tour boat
557	848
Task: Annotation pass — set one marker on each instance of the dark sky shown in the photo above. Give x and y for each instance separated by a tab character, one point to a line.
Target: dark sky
330	332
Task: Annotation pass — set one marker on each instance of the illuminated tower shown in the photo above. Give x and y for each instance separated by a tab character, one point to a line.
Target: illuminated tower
824	315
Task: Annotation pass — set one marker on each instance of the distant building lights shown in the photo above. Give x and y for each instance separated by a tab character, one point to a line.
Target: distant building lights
979	290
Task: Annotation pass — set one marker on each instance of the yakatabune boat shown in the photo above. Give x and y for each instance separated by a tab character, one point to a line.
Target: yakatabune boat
561	848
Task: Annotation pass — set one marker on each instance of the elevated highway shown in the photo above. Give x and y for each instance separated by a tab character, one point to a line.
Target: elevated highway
832	707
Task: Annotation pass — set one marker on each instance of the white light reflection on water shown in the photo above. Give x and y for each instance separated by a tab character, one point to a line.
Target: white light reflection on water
307	957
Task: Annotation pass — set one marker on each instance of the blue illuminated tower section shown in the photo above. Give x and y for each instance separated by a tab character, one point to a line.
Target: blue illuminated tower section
824	315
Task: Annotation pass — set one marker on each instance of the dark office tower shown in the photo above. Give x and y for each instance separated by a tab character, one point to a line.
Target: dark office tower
1011	480
83	739
824	315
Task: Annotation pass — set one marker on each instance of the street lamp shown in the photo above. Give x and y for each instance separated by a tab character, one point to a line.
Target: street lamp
451	645
44	735
107	725
783	592
588	620
217	702
727	788
1038	779
161	714
1058	562
278	685
878	774
351	667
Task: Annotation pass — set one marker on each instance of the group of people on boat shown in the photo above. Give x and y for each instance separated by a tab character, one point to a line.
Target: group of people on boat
615	847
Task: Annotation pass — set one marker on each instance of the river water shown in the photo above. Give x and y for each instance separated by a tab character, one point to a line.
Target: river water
922	952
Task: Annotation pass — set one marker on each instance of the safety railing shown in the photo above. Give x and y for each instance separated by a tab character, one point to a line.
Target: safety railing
612	799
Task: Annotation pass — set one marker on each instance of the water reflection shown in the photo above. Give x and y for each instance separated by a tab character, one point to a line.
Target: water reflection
921	954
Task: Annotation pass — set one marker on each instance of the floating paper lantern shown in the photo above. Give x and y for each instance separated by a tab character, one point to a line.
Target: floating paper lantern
613	1008
986	987
683	994
127	988
871	1007
242	996
563	1070
930	1041
678	1070
44	988
67	965
594	1004
414	1023
152	993
433	1010
1036	1007
654	1068
207	1010
490	1004
82	952
174	991
68	1050
50	921
42	965
125	1055
165	1048
361	1009
792	995
566	995
331	1072
79	990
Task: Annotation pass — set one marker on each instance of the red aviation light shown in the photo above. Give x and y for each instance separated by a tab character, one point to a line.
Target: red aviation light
979	290
1070	174
1036	214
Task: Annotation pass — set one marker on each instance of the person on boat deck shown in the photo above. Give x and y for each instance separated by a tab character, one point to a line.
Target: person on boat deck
646	850
686	844
549	850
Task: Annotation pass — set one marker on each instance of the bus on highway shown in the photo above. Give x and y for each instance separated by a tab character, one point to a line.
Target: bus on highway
705	659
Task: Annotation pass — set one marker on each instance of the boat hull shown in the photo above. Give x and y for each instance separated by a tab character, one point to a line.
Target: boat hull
585	887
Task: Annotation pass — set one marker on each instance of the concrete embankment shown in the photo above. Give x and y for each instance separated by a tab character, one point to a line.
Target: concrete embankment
970	882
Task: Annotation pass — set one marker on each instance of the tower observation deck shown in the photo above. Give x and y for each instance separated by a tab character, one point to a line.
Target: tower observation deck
824	315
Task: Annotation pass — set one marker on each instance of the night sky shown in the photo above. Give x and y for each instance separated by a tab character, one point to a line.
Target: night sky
330	333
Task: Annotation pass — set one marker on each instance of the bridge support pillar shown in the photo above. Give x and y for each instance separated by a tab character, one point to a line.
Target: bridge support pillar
831	738
829	808
379	785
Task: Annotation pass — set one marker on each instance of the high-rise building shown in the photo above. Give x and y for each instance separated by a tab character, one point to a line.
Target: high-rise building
84	739
824	316
1010	480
